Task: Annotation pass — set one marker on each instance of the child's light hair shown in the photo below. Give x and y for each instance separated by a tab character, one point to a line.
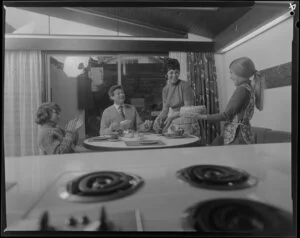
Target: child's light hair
244	67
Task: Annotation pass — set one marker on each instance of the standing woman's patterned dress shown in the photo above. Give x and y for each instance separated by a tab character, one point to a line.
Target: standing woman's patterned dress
238	131
237	116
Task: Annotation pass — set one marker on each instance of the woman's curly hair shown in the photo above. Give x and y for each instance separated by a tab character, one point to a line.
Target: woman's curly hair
44	112
171	64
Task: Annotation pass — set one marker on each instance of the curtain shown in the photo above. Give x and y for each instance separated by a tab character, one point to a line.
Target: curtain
182	58
22	97
201	72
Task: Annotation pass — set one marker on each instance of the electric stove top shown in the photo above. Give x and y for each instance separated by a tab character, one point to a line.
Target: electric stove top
228	190
204	198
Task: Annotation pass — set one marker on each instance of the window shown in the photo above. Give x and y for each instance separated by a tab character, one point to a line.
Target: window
80	84
143	80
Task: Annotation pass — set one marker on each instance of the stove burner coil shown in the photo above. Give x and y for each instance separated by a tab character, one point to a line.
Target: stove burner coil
216	177
236	217
101	186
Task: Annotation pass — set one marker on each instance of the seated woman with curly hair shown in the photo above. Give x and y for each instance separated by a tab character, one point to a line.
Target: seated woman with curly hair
52	139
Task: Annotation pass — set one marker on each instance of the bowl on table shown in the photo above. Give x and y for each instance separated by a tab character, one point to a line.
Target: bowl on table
128	133
158	131
178	132
175	133
115	134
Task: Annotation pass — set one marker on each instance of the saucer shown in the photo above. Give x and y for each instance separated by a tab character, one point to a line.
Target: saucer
113	140
148	142
99	138
174	136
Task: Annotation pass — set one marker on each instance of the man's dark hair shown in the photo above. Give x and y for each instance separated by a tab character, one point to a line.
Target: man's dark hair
113	88
171	64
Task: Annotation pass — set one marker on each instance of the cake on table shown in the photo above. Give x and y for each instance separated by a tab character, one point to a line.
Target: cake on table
190	110
187	121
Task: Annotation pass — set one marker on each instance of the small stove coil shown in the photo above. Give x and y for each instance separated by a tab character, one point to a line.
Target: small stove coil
237	217
101	186
216	177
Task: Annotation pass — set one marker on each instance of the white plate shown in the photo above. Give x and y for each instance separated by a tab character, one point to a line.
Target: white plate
114	140
148	142
99	138
174	136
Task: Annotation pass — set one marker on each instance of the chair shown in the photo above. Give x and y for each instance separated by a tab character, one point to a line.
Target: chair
267	135
277	137
259	134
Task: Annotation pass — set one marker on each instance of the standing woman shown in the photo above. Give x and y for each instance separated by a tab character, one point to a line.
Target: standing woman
176	94
52	139
240	108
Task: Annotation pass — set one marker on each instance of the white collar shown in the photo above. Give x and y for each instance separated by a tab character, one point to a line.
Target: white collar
118	106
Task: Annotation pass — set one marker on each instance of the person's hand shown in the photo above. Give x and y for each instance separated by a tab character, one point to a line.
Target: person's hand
126	124
157	127
148	125
196	115
78	123
168	122
114	126
74	124
71	125
159	120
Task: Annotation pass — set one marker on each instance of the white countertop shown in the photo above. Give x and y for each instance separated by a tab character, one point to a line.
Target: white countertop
163	198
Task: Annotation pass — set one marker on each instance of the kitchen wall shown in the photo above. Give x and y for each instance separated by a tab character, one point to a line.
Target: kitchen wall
271	48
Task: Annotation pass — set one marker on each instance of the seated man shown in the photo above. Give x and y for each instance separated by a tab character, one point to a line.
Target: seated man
120	116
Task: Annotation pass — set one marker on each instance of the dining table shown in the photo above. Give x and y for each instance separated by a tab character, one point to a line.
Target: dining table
139	141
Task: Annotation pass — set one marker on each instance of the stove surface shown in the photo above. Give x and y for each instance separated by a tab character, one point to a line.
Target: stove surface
163	198
88	220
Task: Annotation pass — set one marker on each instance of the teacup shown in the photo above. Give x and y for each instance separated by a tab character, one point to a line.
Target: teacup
158	130
148	124
128	133
179	132
114	135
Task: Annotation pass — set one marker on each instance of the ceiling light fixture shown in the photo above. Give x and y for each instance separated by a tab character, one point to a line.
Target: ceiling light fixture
71	65
256	32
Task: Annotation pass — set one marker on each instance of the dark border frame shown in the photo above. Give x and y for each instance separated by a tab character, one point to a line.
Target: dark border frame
295	108
128	3
295	76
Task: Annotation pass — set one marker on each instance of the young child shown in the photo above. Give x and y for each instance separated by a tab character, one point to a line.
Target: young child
52	139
